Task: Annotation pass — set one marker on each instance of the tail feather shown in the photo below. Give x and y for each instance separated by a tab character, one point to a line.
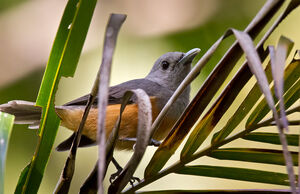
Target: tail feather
25	112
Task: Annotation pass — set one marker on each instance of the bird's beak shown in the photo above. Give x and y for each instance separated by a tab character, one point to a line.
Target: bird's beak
189	56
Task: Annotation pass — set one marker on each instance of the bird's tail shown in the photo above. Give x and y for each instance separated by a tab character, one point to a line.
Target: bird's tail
25	112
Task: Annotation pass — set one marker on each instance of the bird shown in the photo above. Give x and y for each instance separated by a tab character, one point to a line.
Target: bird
167	73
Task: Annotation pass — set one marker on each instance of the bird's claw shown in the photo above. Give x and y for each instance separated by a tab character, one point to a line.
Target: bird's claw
115	175
133	179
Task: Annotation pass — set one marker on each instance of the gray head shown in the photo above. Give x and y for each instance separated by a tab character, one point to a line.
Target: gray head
170	69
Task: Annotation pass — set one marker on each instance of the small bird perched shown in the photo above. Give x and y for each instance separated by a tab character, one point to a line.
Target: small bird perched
165	76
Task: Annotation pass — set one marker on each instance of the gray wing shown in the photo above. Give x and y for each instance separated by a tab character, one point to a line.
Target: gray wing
115	97
116	92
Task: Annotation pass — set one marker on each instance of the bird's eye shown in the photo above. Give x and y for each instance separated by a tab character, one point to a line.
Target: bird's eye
165	65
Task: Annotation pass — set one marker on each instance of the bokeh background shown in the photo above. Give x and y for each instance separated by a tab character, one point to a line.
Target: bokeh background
153	27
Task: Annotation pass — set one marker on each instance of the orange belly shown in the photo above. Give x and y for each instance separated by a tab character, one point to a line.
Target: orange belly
71	119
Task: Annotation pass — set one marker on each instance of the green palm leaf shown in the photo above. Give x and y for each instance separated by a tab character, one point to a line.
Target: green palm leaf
62	62
242	174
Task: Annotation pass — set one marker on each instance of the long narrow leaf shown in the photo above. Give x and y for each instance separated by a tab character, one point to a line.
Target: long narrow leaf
247	104
143	137
291	76
266	156
278	58
111	34
218	109
256	68
66	48
6	125
243	109
209	121
292	95
206	93
241	174
271	138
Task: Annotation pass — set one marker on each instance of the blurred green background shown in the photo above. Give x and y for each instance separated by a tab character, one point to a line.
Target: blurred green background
152	28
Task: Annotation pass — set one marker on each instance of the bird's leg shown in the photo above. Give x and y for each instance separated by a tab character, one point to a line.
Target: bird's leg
152	142
119	170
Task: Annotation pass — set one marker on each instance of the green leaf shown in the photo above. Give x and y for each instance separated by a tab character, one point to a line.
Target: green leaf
242	110
248	102
271	138
224	101
241	174
255	65
6	125
22	177
292	85
267	156
63	60
292	95
291	76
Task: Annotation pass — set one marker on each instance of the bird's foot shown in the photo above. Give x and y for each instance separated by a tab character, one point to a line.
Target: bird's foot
115	175
119	170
